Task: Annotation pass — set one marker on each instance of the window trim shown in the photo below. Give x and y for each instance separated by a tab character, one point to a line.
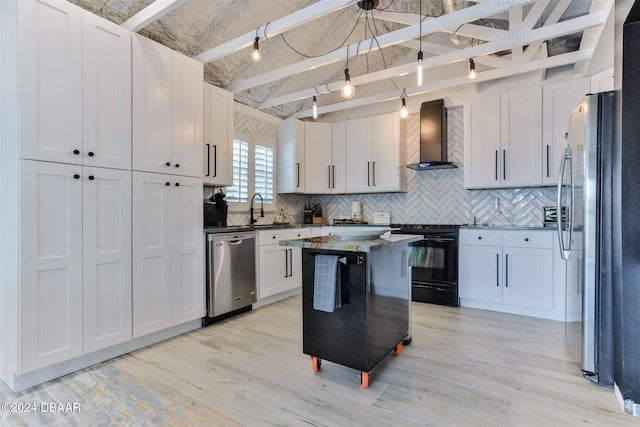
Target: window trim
243	207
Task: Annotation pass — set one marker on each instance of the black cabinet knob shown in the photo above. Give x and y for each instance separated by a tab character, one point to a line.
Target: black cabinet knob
168	164
526	239
177	165
167	184
177	184
479	237
76	176
273	237
91	177
76	152
90	153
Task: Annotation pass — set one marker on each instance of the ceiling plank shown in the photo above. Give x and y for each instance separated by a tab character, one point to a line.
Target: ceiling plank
538	34
286	23
151	13
535	65
472	13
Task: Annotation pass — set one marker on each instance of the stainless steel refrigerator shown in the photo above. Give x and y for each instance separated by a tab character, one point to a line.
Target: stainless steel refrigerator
585	188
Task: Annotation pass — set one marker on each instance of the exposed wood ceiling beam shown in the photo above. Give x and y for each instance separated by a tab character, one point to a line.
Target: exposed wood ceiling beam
535	14
538	34
295	19
438	49
472	13
591	36
535	65
151	13
553	18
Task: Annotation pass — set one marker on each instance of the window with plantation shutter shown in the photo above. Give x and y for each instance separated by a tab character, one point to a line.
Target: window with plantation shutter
253	172
264	172
239	192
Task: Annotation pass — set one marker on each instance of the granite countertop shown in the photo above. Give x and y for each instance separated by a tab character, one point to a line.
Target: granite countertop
352	244
508	227
240	228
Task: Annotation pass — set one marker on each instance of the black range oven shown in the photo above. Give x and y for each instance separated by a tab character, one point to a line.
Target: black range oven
434	263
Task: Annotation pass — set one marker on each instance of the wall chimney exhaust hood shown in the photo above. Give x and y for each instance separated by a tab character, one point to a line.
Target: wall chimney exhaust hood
433	137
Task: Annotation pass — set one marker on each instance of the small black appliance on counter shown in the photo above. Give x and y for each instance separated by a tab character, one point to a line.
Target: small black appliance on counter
215	211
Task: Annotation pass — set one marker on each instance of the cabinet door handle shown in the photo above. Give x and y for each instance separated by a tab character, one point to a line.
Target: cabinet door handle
374	174
333	175
506	271
329	175
368	174
547	160
297	175
498	270
208	159
504	165
286	264
290	262
496	164
215	160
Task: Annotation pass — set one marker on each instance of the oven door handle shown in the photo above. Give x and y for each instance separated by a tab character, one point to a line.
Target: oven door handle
436	239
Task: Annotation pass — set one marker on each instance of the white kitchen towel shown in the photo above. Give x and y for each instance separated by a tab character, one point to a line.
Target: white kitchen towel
327	287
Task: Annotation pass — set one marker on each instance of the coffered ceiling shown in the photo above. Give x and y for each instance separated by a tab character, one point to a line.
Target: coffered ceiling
305	44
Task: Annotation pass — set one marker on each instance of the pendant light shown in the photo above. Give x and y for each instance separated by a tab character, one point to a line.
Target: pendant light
255	55
403	112
315	108
347	91
472	69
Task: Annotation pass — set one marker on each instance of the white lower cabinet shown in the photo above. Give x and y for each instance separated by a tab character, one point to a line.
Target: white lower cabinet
510	270
75	291
167	251
279	267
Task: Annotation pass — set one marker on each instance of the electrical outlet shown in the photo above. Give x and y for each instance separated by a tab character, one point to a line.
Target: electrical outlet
381	218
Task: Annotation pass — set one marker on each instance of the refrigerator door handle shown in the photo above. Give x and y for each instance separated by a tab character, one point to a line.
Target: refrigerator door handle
564	251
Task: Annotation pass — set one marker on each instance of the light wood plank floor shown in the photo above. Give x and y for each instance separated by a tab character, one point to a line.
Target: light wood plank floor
465	367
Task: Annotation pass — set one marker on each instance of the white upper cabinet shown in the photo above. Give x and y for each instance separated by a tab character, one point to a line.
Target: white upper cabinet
502	140
186	114
388	154
167	90
218	136
291	166
359	155
375	152
50	80
317	156
106	105
482	142
338	157
558	100
521	137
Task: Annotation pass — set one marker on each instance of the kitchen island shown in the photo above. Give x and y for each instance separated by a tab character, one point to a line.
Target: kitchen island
370	315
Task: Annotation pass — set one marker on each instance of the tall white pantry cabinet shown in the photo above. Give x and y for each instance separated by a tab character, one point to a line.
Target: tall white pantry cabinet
66	262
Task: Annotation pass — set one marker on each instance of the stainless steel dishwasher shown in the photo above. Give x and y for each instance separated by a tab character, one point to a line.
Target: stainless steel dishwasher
230	274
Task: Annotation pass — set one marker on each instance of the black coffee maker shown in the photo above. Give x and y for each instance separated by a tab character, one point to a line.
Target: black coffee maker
215	211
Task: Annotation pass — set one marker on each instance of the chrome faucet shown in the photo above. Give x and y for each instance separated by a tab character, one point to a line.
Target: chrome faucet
253	220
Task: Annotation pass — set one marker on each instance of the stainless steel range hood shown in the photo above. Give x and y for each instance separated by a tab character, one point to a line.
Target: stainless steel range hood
433	137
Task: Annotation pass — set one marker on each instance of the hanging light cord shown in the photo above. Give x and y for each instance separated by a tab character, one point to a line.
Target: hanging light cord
326	53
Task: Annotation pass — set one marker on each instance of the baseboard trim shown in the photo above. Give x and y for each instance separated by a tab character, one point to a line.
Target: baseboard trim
21	382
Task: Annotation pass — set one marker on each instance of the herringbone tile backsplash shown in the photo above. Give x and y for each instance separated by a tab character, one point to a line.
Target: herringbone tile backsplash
433	197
